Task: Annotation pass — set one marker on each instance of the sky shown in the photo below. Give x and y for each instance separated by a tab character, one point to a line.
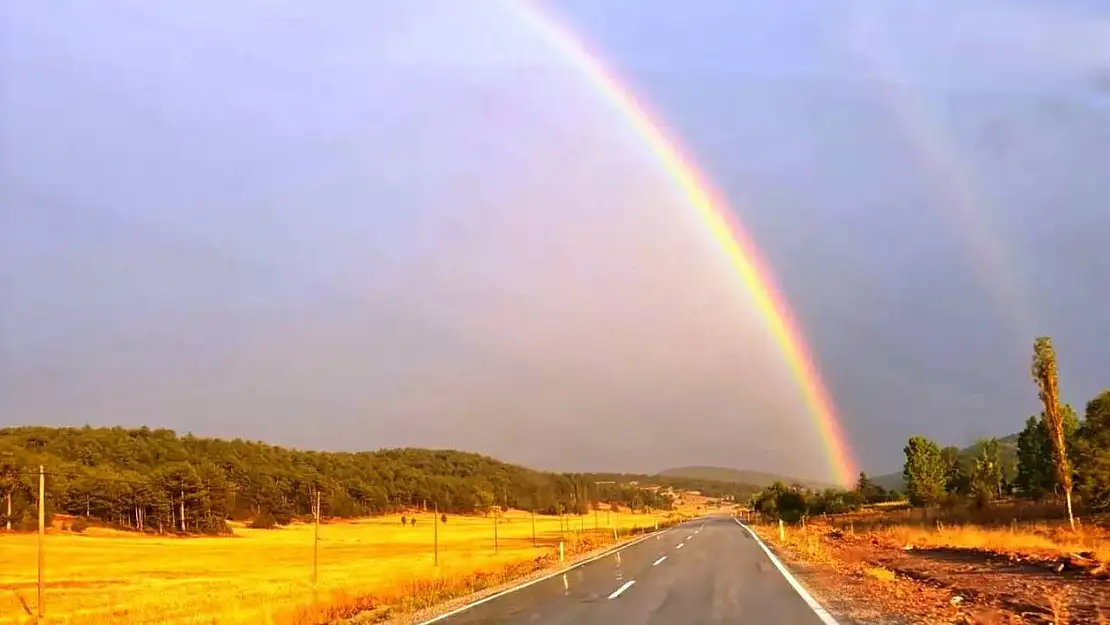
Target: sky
351	225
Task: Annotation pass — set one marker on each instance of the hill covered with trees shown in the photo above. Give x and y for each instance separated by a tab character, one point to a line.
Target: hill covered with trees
154	479
757	479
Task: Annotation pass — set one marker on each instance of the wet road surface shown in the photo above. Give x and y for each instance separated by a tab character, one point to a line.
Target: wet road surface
705	571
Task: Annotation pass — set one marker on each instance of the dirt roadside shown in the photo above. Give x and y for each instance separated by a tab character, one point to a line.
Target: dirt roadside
861	580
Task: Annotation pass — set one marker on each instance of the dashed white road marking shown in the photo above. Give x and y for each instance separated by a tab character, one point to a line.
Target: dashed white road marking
680	545
659	561
689	537
625	586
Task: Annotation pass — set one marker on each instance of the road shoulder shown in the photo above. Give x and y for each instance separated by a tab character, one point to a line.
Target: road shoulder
862	581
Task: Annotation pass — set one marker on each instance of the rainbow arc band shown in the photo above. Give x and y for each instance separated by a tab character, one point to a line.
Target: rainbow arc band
723	227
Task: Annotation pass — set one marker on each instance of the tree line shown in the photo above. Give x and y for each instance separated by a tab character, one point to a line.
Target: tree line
794	502
1056	453
155	480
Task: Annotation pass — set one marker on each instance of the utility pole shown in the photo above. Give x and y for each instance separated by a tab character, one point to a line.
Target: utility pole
42	536
8	483
533	526
435	523
183	511
316	539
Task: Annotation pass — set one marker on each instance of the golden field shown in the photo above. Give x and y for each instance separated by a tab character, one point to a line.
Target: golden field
264	576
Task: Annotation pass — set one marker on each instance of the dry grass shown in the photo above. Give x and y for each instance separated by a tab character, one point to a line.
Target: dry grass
879	573
1042	541
263	576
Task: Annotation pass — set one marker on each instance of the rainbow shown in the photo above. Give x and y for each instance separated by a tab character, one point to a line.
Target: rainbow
951	178
721	224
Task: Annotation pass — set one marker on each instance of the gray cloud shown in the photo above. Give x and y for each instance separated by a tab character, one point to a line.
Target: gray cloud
269	222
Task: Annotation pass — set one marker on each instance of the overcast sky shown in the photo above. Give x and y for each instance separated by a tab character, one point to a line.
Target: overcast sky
351	225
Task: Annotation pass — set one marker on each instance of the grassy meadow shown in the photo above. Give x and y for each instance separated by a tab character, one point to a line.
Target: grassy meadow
264	576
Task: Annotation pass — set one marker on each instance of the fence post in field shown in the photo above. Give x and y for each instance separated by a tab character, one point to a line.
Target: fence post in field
533	527
42	535
435	524
495	547
614	534
782	532
560	551
316	537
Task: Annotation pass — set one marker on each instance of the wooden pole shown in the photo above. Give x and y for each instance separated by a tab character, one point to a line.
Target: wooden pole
316	540
495	510
435	522
533	527
42	536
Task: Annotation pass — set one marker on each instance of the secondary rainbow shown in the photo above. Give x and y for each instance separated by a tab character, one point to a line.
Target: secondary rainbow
722	226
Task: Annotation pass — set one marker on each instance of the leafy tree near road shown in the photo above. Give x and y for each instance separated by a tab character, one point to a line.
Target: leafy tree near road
957	481
834	501
1036	472
1093	453
1046	375
869	492
866	488
781	501
986	479
924	472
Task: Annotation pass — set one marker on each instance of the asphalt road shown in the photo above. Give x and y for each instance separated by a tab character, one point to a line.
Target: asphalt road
709	570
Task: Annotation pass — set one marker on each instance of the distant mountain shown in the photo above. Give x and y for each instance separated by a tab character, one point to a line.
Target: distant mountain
739	476
1007	447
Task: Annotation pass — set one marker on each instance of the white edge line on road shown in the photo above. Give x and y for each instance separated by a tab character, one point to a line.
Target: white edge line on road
625	586
820	611
659	561
536	581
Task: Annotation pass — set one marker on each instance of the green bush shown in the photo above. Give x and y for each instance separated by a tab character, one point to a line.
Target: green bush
29	522
80	524
264	521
